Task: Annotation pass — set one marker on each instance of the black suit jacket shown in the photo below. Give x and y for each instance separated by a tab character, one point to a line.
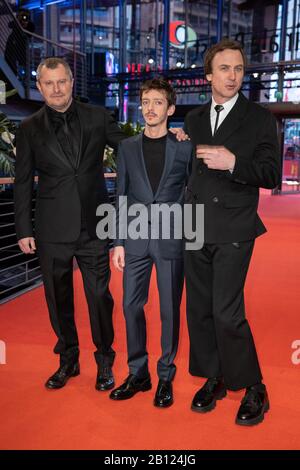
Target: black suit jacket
133	182
231	200
64	190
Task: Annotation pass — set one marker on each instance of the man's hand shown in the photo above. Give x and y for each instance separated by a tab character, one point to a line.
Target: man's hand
27	245
118	258
216	158
180	134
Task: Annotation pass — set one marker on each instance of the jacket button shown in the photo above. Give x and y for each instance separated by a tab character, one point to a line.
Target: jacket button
199	172
215	199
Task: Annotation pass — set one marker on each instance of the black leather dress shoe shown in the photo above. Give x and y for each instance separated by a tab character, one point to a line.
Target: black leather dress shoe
205	399
105	379
62	375
130	387
164	394
253	407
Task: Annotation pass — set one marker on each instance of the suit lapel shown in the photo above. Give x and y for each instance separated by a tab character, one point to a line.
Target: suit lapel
205	126
203	130
141	162
232	121
82	134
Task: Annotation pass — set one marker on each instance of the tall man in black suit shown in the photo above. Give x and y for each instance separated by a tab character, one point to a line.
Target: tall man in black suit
64	142
237	153
153	169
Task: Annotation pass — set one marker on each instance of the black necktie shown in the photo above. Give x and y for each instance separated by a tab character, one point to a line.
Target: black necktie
218	109
65	138
65	124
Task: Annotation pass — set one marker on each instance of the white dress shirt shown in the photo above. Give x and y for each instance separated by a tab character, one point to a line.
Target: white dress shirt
227	108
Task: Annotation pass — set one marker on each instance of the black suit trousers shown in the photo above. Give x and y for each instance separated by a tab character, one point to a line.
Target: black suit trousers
92	256
221	342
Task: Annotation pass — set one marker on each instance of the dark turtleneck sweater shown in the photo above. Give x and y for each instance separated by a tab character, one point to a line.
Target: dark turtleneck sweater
154	151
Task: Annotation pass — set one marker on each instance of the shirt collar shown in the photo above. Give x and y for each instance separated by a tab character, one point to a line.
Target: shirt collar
70	111
228	105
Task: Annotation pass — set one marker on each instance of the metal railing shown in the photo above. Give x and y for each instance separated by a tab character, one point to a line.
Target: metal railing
19	272
194	80
40	48
21	51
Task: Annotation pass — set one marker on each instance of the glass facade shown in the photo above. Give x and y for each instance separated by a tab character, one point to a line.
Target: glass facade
131	36
291	155
126	41
95	26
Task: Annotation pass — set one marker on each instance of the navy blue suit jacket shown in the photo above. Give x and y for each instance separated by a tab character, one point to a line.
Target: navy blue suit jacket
133	182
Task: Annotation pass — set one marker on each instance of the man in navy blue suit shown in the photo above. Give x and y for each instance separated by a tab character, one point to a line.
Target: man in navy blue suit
153	168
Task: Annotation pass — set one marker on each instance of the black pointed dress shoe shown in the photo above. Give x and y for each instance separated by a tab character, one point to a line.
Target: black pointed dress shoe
205	399
164	394
130	387
62	375
105	379
253	407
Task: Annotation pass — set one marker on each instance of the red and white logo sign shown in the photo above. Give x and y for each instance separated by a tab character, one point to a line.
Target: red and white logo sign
178	33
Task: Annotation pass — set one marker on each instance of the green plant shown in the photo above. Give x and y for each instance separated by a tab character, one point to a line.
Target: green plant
7	147
110	157
131	129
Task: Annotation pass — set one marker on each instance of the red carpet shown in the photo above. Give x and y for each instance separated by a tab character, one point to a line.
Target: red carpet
79	417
